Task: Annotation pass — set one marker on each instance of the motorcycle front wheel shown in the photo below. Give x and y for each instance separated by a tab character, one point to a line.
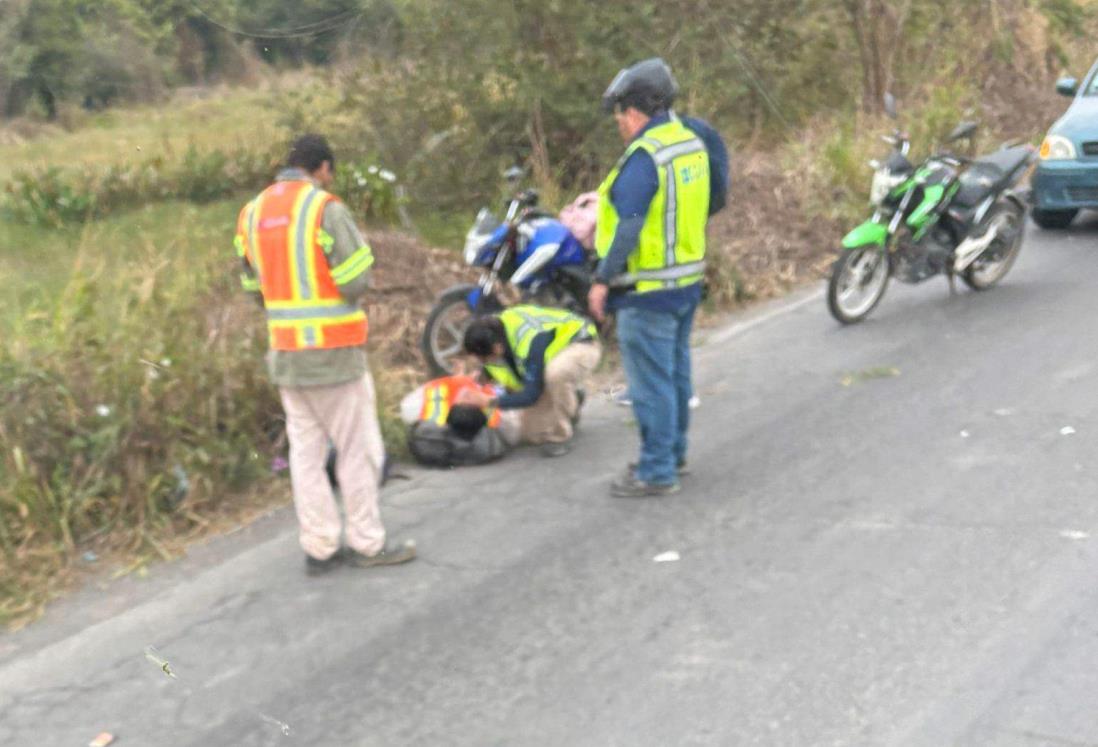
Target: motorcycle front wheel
444	331
858	281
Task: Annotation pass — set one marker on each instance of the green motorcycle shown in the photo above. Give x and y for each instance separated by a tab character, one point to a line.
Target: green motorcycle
948	215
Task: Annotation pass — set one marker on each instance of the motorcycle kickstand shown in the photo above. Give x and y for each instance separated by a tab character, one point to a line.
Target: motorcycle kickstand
952	280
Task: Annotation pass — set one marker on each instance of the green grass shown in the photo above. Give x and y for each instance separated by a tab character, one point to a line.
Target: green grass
40	262
235	119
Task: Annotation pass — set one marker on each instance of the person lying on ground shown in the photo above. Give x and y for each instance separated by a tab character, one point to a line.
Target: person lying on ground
443	433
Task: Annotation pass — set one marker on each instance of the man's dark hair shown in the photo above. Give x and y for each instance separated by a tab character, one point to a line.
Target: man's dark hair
647	102
309	152
482	334
466	421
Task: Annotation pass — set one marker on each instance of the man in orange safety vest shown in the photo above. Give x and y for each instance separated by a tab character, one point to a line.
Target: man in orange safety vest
301	251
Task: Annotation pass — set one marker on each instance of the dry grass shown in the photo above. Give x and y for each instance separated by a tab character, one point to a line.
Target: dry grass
767	241
215	118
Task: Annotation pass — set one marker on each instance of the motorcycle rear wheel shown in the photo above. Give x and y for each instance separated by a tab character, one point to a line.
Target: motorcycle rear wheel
983	274
859	278
444	331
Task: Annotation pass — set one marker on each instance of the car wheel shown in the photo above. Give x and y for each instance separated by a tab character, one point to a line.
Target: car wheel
1054	218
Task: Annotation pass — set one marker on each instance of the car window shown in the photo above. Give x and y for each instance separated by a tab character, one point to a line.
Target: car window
1092	87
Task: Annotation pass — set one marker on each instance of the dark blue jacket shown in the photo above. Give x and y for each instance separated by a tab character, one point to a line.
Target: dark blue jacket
533	381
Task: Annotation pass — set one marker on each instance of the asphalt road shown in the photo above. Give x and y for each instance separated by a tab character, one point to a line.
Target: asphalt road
908	560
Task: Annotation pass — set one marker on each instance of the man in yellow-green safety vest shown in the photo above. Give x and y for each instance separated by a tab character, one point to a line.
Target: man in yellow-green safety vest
650	237
541	358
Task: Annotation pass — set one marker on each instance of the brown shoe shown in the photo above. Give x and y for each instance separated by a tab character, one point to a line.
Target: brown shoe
389	555
628	486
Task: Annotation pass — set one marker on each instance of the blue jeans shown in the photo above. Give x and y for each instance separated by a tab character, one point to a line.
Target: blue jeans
655	351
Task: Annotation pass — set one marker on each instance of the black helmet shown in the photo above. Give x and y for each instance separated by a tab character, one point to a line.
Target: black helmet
648	86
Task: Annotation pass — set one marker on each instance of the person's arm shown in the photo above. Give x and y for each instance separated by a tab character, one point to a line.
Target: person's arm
533	382
631	195
249	280
349	255
718	162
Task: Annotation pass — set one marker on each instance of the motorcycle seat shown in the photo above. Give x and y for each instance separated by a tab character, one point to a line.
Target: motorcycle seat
988	174
1006	161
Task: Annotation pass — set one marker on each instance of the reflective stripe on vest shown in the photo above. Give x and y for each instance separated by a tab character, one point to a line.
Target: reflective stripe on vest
249	280
522	324
670	251
439	397
280	236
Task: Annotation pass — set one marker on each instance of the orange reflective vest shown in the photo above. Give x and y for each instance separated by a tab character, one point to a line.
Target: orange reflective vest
279	235
439	396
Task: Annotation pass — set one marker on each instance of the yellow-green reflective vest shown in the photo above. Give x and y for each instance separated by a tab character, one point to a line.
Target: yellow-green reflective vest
522	324
671	250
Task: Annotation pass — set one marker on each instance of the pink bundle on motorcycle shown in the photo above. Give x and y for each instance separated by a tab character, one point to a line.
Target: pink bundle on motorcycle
580	218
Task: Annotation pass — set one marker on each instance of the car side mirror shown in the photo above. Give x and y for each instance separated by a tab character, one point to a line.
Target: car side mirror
1067	86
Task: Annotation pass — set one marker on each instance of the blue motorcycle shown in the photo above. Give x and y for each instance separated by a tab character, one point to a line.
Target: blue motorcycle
531	252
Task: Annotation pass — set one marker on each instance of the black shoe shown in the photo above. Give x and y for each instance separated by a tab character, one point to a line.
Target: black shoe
556	449
628	486
318	567
682	468
389	555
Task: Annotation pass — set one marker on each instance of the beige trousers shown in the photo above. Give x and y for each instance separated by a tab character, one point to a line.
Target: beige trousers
346	416
550	419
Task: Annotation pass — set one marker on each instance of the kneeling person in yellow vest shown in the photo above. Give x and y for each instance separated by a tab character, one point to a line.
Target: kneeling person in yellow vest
300	250
542	357
443	433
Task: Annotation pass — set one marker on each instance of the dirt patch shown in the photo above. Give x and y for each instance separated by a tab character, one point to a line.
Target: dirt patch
766	241
406	279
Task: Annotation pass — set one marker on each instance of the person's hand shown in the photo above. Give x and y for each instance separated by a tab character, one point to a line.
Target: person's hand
596	301
472	397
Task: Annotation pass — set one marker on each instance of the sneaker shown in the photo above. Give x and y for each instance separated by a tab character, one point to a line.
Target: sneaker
628	486
682	468
389	555
694	403
318	567
556	449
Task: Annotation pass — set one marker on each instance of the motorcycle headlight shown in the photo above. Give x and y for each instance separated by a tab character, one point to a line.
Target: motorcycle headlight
479	234
1057	148
473	243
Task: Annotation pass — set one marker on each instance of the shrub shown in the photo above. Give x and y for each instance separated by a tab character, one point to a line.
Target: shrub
47	198
368	190
137	400
53	196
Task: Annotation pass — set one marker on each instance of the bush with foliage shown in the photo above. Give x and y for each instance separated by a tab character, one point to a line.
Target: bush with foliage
134	401
53	196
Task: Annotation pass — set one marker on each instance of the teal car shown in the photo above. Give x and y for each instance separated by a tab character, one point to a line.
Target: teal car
1066	180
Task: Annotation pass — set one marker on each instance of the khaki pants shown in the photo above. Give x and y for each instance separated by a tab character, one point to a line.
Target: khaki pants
345	415
550	419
